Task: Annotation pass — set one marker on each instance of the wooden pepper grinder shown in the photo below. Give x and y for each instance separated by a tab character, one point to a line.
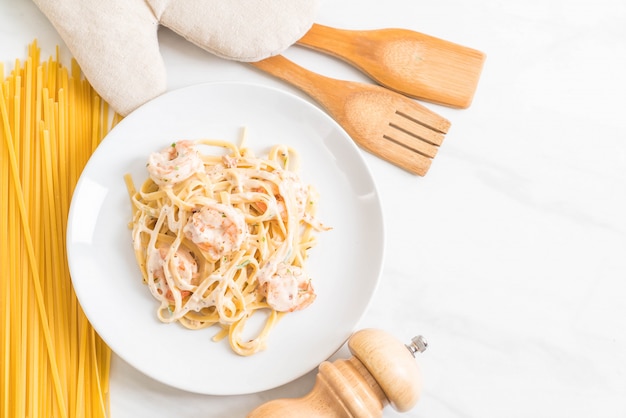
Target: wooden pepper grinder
383	371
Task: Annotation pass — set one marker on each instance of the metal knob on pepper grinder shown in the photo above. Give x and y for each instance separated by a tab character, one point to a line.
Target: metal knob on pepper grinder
382	371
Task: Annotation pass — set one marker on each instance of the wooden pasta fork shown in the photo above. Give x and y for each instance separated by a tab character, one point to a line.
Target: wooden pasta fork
381	121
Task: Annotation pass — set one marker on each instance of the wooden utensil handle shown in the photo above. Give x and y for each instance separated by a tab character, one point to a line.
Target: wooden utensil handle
286	70
326	91
382	371
341	43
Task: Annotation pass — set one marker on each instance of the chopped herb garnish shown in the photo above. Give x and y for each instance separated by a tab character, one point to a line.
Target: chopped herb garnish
243	264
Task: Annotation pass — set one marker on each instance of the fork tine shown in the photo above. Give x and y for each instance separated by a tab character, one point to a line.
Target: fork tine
412	162
405	123
413	135
422	115
411	143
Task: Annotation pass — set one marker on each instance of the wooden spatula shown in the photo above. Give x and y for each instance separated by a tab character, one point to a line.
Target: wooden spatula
411	63
385	123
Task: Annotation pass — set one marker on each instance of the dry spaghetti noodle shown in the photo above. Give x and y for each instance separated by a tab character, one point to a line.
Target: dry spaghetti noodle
52	363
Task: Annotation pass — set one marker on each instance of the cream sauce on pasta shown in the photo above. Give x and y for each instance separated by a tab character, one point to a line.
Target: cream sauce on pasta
219	236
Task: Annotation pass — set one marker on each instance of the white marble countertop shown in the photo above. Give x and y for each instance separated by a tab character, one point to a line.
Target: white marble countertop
510	254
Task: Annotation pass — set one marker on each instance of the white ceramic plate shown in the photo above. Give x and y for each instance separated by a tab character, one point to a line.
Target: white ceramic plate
345	265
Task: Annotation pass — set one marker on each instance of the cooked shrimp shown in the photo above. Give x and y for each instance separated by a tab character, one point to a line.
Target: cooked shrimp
290	187
288	289
175	163
217	229
229	161
299	191
181	268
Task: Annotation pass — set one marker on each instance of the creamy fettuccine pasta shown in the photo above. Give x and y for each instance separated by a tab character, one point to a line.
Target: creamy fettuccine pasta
219	235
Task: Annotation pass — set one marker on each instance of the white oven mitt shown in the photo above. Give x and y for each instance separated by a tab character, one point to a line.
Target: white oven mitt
115	41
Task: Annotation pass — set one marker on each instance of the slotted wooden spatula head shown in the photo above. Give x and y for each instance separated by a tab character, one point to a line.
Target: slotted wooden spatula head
383	122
